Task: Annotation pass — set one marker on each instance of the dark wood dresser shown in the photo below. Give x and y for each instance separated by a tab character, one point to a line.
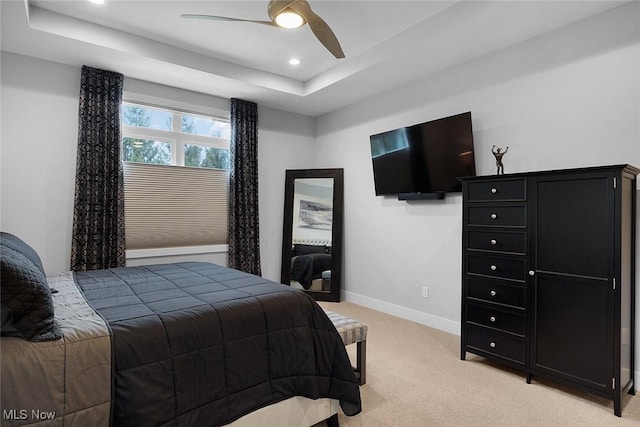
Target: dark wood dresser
548	275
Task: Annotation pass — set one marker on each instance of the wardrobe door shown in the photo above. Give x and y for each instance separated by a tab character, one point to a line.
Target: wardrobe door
572	257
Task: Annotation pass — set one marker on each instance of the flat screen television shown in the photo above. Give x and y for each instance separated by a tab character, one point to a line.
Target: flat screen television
426	158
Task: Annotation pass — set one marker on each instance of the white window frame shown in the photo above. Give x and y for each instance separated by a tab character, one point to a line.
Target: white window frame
175	136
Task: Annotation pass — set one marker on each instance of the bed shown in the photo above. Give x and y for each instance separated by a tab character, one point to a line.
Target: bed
175	344
311	266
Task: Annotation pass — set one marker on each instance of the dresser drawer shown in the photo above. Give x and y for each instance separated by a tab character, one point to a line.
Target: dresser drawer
496	292
501	267
494	318
500	241
511	189
496	343
499	215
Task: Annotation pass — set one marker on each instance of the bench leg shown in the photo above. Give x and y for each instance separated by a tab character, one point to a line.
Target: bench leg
361	361
333	421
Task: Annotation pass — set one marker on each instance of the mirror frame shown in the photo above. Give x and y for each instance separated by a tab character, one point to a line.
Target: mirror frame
336	228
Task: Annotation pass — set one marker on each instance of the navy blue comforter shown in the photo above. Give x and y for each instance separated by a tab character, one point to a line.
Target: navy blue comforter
199	344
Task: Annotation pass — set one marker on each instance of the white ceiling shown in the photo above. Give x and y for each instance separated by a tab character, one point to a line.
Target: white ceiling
386	43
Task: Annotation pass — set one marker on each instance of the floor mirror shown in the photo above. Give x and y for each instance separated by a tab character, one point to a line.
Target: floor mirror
312	232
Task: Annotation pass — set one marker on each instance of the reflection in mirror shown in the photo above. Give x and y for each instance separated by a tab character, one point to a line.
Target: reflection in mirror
312	232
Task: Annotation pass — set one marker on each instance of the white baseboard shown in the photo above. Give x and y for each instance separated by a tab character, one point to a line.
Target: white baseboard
426	319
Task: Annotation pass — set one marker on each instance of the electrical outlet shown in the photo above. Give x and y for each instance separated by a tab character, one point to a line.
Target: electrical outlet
425	292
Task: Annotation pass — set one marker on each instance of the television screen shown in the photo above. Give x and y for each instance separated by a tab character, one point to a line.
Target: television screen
424	158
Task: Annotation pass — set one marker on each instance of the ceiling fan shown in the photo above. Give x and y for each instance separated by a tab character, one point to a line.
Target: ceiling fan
290	14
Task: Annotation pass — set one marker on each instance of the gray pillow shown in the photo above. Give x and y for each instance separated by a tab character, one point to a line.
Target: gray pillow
19	245
6	327
26	297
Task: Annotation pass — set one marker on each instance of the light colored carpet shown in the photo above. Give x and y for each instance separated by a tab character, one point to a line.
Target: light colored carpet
415	378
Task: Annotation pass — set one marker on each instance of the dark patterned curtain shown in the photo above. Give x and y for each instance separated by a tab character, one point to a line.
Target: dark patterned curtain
98	212
244	239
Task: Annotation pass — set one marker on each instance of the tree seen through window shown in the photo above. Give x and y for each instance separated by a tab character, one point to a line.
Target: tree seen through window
203	153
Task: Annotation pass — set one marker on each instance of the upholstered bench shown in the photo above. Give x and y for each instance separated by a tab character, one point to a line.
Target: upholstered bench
351	331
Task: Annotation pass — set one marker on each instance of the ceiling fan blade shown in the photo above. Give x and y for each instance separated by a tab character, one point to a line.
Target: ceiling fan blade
223	18
320	28
277	6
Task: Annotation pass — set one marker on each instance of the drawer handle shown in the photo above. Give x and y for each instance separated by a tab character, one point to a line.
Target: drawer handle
494	241
492	319
494	216
494	268
492	344
493	293
532	273
494	190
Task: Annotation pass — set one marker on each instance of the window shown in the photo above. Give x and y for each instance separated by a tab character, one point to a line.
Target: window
165	137
176	167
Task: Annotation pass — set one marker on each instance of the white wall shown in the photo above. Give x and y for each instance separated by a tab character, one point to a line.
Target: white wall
568	99
285	141
39	134
38	138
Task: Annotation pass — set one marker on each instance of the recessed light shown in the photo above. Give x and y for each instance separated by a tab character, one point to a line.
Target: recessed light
294	61
97	1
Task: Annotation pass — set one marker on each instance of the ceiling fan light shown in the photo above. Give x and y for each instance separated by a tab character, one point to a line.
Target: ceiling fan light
288	19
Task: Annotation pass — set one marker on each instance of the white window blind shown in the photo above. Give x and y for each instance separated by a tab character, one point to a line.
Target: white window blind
171	206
